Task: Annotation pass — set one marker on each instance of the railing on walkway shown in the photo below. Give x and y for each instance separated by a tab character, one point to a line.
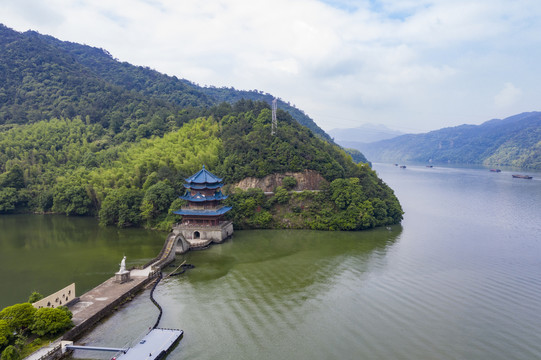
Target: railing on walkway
165	252
47	355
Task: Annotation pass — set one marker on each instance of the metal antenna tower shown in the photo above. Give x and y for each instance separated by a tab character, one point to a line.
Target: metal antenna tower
274	121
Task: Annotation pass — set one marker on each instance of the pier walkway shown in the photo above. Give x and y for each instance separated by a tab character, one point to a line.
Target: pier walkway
105	294
93	306
98	302
104	298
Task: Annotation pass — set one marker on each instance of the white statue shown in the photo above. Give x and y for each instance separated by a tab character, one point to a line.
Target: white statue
123	265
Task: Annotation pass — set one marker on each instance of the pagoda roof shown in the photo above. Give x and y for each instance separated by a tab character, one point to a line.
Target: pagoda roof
203	186
203	176
214	212
198	197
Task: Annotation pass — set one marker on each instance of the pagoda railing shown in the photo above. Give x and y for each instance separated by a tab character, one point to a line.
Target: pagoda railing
200	226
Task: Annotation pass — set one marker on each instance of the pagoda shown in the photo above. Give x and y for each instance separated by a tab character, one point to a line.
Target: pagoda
203	217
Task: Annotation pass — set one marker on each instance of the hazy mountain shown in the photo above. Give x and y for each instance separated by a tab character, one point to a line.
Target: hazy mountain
366	133
513	141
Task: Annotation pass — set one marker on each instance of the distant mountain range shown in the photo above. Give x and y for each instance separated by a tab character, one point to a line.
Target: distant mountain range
513	141
366	133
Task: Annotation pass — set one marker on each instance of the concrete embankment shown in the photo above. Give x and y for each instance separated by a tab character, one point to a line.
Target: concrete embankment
93	306
102	300
99	302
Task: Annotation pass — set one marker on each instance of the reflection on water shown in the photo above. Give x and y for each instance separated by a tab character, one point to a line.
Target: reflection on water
45	253
261	289
458	280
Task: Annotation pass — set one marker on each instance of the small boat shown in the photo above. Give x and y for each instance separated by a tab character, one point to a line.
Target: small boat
495	170
395	164
522	176
402	166
429	166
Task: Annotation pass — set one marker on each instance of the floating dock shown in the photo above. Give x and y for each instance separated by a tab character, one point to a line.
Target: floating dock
154	346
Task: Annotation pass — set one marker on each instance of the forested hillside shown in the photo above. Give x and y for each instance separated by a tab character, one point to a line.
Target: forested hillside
82	134
42	77
68	166
514	141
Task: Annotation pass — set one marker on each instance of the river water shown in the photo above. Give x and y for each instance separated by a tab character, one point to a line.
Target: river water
44	253
459	279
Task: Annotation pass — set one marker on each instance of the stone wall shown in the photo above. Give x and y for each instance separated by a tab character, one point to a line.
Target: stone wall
306	180
216	234
60	298
53	354
227	231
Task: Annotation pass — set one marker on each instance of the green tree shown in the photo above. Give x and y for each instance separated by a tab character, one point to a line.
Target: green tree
44	200
19	316
345	192
366	216
10	353
121	207
50	321
71	198
35	296
245	206
20	341
281	195
262	219
14	178
289	182
5	333
66	309
151	180
8	199
157	200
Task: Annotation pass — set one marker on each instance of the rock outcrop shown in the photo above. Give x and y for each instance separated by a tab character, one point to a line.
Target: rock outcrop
306	180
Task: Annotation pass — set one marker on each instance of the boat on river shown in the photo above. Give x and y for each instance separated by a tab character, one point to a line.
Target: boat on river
495	170
522	176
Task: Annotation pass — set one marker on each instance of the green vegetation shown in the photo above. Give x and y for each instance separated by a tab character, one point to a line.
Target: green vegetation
84	135
343	205
20	322
355	199
249	150
51	321
514	141
42	78
70	168
35	297
10	353
356	155
66	166
289	182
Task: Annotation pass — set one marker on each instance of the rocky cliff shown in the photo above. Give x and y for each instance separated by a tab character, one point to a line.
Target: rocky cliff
307	180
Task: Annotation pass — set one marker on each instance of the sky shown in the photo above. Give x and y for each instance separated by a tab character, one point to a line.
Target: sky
411	65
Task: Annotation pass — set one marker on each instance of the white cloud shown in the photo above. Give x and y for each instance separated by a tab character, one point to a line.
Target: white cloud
507	96
411	64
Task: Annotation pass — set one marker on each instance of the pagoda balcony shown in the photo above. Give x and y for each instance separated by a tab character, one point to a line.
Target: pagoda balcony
202	212
196	226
